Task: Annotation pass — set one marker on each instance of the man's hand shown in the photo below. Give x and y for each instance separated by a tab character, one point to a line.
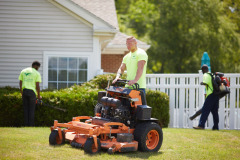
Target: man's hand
115	80
131	82
39	97
119	72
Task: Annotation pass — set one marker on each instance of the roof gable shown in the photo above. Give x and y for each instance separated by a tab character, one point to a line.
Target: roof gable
101	16
98	24
104	9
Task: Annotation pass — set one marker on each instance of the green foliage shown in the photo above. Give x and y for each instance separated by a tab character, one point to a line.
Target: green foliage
179	31
122	5
7	90
101	81
159	102
11	110
77	100
232	10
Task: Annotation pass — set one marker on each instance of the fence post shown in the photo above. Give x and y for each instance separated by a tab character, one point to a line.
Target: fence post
222	113
201	91
181	102
153	83
191	99
172	102
232	103
162	83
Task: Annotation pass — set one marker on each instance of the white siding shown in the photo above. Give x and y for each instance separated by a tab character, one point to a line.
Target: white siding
28	28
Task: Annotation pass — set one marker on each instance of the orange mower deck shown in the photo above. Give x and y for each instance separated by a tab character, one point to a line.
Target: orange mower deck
78	133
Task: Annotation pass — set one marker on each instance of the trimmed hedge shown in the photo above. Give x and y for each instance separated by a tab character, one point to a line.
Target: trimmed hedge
159	102
78	100
101	81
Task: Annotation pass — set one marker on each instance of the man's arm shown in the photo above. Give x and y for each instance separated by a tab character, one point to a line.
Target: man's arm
139	72
38	90
20	85
119	72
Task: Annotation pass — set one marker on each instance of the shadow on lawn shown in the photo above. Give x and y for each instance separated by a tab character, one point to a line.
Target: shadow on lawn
130	155
138	154
141	155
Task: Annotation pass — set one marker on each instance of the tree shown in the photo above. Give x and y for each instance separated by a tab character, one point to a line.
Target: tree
179	31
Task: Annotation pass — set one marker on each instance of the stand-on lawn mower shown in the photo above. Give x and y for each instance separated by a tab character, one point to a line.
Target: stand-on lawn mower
122	123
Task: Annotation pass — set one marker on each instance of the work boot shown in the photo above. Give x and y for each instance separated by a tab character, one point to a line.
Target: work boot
215	129
198	127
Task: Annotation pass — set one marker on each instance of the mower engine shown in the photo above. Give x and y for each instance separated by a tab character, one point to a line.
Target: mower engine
113	110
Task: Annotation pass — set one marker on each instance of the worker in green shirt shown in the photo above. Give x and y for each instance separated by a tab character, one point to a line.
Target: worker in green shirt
136	64
211	103
29	80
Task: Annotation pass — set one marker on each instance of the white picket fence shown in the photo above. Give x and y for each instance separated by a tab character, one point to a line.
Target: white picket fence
186	96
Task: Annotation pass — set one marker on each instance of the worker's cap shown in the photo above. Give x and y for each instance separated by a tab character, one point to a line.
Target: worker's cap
204	67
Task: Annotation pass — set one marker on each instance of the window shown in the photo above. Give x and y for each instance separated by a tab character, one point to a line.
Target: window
64	72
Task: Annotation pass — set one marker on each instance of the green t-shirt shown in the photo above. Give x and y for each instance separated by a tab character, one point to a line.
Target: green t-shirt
131	61
208	80
29	77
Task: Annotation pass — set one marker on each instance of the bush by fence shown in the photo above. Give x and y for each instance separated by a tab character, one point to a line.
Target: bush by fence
78	100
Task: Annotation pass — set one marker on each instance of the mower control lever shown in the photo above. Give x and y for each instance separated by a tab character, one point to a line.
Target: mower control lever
135	85
122	81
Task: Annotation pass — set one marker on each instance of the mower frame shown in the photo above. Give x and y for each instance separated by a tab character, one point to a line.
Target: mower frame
94	133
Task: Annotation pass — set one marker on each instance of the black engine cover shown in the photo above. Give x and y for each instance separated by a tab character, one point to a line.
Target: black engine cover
144	112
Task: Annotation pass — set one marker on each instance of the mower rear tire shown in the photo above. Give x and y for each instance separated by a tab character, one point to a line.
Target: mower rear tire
54	138
89	146
149	136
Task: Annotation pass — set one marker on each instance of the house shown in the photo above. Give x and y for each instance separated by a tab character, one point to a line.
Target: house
74	40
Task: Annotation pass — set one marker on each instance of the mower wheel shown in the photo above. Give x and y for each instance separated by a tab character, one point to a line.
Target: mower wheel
149	136
54	138
89	146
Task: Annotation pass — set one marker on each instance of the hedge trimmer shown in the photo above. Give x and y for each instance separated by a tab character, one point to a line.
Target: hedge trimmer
40	102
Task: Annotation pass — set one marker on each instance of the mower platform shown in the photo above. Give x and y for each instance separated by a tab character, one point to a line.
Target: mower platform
79	133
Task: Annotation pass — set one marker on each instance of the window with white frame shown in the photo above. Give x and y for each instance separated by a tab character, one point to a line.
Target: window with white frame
64	72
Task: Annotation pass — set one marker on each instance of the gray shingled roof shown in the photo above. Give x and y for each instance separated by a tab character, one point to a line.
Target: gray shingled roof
104	9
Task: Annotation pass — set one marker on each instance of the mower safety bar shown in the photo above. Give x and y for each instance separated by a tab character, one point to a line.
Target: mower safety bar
122	81
135	85
80	118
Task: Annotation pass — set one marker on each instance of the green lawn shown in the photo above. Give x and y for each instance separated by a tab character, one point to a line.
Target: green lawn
32	143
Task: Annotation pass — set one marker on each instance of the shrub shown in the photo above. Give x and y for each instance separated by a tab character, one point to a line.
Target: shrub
11	110
101	81
78	100
159	102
